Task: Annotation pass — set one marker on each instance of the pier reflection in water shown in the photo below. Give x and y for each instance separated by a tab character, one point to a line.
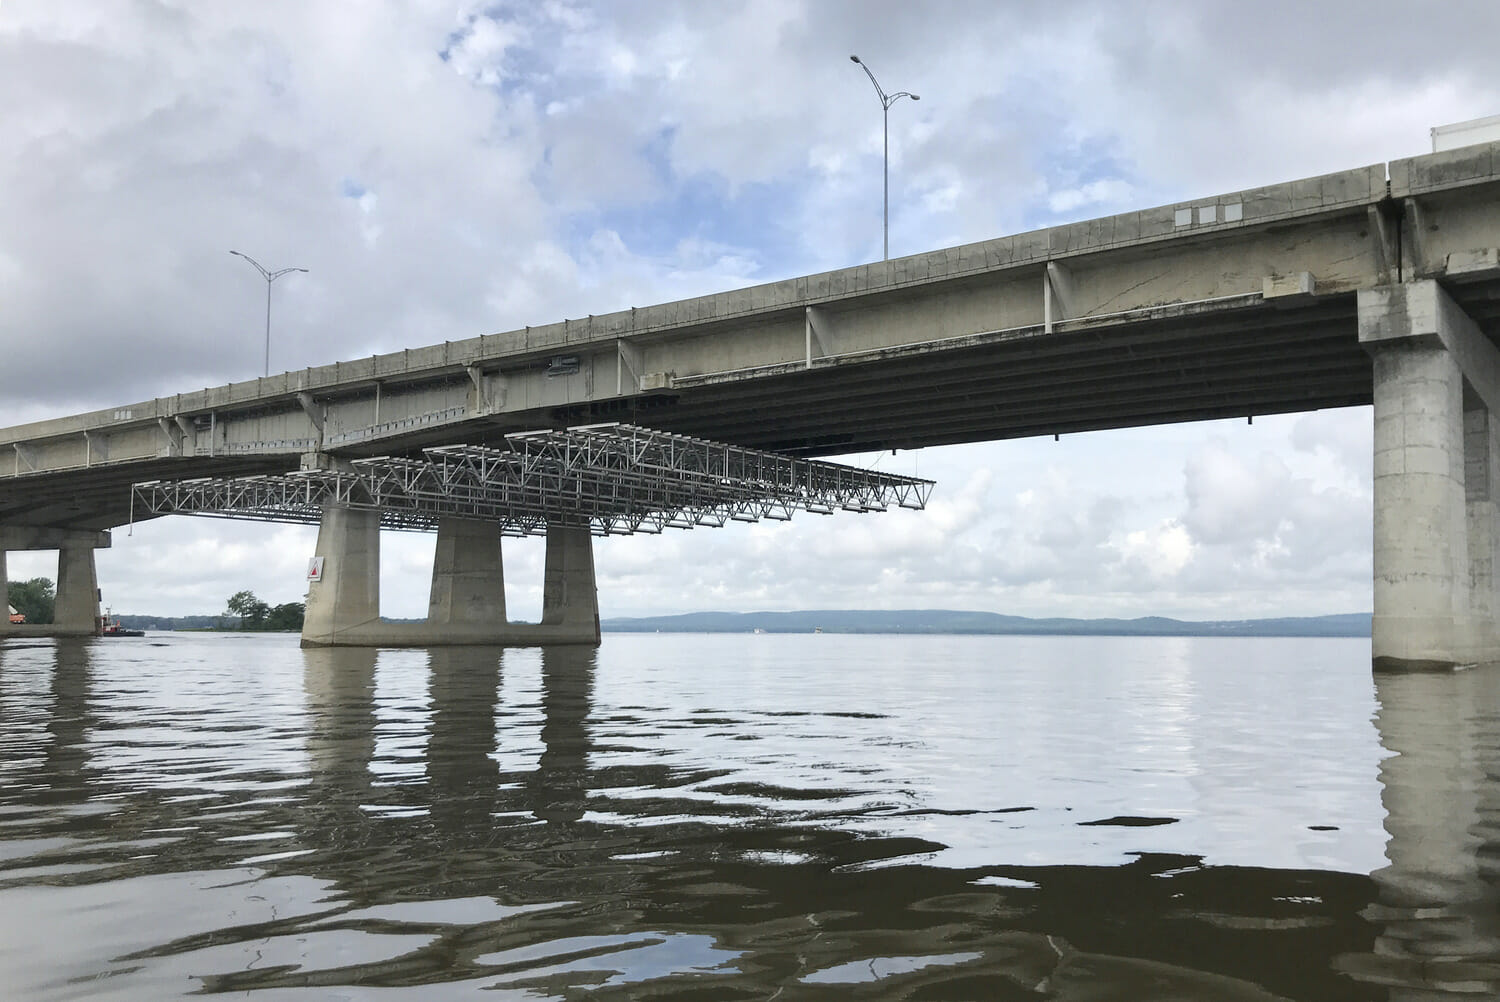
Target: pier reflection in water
1438	902
234	814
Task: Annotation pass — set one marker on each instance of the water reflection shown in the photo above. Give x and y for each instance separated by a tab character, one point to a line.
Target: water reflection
1439	898
560	784
66	761
462	774
544	847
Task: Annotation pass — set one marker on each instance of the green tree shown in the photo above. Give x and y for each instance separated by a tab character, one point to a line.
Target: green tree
286	617
251	610
34	599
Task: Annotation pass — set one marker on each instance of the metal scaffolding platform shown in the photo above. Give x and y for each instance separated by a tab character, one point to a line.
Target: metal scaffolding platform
617	478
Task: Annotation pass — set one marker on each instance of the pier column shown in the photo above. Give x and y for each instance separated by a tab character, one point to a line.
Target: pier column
4	596
76	610
570	595
1436	385
468	577
1482	491
347	597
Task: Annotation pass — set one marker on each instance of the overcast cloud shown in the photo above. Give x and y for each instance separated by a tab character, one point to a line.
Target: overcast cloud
447	169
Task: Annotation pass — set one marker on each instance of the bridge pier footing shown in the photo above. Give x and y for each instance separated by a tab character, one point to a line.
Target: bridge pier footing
75	608
467	601
1437	455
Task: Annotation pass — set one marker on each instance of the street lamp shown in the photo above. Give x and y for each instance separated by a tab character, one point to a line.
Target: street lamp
886	100
269	276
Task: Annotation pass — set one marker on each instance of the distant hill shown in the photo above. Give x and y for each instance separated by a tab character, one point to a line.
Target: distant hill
1355	624
948	621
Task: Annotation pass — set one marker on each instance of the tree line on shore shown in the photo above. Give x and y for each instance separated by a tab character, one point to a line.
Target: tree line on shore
36	599
33	599
257	615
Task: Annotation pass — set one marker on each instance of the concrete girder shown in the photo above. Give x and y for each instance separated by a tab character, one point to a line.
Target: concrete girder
28	537
1057	295
1423	310
315	412
628	360
490	390
1385	235
817	334
172	432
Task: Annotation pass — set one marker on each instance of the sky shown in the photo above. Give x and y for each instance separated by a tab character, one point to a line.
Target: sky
446	169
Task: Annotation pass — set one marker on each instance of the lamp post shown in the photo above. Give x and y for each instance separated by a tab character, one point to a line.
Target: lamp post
269	276
886	100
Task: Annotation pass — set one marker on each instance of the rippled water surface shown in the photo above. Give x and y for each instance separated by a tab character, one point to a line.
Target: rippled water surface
746	817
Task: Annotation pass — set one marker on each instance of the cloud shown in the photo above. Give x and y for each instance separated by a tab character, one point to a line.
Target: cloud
1106	191
1155	553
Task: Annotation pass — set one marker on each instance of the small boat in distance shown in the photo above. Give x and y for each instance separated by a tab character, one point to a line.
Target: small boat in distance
111	627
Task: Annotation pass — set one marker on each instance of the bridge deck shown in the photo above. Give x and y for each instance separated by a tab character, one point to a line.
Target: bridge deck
1235	305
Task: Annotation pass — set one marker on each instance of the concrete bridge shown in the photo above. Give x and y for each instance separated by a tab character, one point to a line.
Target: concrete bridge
1373	285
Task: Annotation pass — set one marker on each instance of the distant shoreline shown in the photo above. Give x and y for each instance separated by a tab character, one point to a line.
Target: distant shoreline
944	622
951	622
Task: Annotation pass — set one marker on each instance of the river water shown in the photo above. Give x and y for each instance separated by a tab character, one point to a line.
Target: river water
746	817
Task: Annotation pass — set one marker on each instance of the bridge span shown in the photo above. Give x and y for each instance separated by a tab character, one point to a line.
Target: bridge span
1377	285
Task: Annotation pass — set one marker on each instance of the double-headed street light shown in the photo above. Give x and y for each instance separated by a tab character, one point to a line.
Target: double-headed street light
886	100
269	276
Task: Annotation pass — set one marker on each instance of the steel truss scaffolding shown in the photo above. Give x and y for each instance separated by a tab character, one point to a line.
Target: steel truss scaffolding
617	478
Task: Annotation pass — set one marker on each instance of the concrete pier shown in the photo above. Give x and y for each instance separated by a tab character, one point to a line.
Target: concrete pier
347	598
467	601
76	611
1436	387
76	607
468	576
570	596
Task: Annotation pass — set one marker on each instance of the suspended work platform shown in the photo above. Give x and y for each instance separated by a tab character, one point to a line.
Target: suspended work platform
615	478
603	479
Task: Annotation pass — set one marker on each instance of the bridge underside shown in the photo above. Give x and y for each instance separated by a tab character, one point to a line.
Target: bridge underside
613	479
1186	362
1235	357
